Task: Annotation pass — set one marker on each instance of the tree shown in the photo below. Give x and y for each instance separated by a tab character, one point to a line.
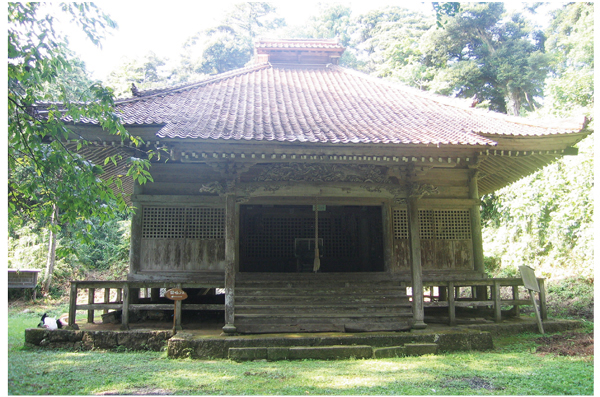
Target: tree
387	42
482	55
46	175
146	73
570	88
546	219
228	45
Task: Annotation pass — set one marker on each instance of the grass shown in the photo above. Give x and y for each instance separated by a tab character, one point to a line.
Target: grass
511	369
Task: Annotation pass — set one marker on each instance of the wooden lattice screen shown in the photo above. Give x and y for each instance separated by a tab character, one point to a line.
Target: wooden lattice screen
445	224
446	241
435	224
274	237
183	223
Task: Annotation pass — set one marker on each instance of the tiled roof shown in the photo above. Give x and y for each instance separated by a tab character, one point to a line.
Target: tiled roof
326	104
299	44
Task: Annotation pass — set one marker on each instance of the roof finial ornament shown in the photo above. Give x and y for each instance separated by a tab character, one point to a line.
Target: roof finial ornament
134	90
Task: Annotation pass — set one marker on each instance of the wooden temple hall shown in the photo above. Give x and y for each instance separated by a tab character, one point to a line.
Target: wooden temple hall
296	195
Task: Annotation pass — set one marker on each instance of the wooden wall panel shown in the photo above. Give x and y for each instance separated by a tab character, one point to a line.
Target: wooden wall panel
444	254
463	255
402	255
428	255
182	255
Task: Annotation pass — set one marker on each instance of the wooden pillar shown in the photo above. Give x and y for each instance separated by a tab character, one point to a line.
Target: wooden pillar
90	313
73	304
415	268
451	304
106	298
178	304
388	238
125	312
476	236
497	302
543	307
230	225
136	233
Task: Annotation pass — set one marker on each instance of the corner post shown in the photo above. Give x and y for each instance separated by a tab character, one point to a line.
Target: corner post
230	226
476	235
136	232
415	268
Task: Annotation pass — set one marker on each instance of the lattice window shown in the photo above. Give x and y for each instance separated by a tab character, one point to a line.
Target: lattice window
274	237
445	224
400	224
183	222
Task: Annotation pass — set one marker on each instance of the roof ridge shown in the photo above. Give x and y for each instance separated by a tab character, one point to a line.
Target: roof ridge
575	123
188	86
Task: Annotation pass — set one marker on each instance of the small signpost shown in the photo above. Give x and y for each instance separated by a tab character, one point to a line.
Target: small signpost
530	282
176	295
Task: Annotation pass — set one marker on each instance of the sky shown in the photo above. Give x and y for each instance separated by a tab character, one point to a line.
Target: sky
163	27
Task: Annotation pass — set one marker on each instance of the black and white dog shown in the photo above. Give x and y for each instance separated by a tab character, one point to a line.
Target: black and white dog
49	322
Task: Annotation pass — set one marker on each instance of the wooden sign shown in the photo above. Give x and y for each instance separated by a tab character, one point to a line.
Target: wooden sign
529	279
176	294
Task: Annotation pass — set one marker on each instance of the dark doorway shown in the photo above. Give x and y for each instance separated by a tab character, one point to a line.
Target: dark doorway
272	235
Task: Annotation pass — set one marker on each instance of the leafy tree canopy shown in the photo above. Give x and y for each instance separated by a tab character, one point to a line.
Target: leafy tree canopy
43	103
229	45
481	54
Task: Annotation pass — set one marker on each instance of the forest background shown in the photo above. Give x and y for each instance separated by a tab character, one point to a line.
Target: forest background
501	61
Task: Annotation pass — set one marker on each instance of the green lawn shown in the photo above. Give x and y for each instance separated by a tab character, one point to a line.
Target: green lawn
511	369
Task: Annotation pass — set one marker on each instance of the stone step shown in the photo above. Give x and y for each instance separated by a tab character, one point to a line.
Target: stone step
326	308
320	291
284	300
337	352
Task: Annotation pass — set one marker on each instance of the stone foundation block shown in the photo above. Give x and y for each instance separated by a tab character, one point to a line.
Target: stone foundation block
389	352
330	352
248	353
278	353
420	349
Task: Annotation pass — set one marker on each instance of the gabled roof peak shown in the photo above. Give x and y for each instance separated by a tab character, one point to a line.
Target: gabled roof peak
298	51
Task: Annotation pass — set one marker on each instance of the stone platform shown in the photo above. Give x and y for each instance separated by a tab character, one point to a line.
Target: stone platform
207	342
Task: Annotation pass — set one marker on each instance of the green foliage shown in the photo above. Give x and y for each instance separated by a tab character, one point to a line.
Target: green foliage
570	89
483	55
444	9
228	45
571	297
146	73
43	170
387	42
546	220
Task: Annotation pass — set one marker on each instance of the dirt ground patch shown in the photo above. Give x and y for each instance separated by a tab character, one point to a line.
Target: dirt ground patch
567	344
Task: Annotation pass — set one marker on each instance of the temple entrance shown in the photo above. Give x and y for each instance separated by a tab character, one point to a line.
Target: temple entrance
281	238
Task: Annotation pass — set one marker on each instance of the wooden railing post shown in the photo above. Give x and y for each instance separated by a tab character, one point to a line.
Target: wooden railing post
125	310
543	308
178	312
90	313
73	304
497	301
451	305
